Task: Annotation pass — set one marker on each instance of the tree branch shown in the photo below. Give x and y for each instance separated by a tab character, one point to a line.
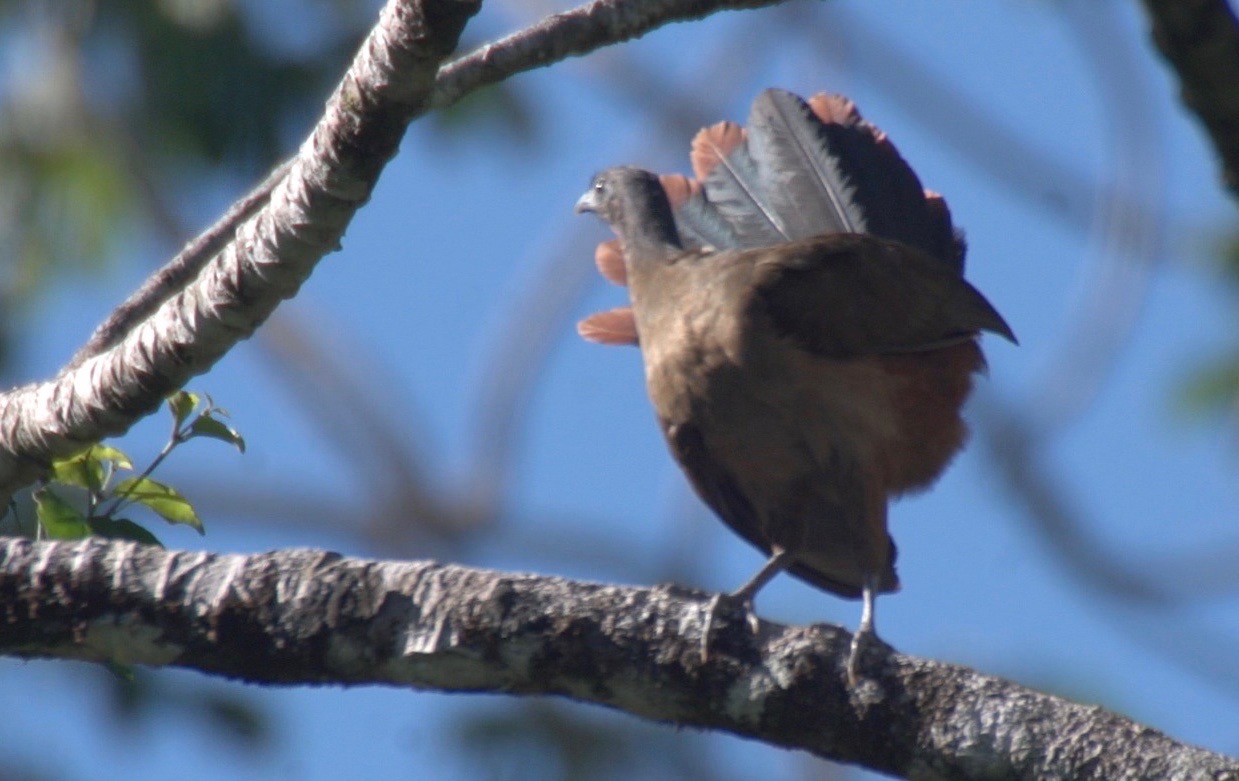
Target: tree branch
301	616
570	34
1200	40
226	282
178	273
268	259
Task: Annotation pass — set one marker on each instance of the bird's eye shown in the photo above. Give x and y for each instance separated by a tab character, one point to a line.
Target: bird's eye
598	186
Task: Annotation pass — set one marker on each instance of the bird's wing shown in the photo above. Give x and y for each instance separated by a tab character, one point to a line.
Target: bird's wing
847	295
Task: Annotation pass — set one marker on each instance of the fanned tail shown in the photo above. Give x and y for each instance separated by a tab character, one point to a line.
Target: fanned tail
884	187
609	258
800	167
733	188
948	243
697	221
614	326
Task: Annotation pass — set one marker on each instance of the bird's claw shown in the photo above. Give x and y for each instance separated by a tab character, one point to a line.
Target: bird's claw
729	602
860	639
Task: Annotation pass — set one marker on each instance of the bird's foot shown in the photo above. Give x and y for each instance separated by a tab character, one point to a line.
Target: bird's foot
726	605
860	641
742	598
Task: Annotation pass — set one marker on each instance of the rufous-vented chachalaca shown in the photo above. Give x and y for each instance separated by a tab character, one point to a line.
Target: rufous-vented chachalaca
807	333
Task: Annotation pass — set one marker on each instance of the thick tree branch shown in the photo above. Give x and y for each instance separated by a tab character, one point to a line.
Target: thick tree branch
297	617
228	280
271	255
573	33
1200	40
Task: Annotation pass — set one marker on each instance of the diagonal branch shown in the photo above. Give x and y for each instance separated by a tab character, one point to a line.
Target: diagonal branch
178	273
297	617
267	260
227	281
577	32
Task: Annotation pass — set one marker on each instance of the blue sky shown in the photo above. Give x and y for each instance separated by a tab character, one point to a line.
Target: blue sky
458	234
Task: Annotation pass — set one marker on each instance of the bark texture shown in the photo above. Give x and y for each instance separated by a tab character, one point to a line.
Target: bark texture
314	617
270	257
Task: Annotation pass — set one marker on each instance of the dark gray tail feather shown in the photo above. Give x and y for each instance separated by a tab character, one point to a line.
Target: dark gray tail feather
803	167
737	194
702	225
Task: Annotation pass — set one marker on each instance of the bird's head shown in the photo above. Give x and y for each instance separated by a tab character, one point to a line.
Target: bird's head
632	201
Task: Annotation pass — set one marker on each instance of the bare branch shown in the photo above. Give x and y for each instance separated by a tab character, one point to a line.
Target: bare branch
1200	40
177	273
172	330
296	617
574	33
571	34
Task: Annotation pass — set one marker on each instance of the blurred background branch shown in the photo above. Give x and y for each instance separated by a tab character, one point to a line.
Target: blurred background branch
1200	40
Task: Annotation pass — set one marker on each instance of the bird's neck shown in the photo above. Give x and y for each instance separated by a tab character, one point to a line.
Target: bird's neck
651	240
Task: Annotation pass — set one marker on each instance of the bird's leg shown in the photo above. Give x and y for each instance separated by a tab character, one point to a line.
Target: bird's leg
865	632
773	566
744	595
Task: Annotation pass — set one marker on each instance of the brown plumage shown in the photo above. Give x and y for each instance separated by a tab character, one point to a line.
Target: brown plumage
801	379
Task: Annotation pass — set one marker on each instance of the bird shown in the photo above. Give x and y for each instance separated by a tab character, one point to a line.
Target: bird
807	334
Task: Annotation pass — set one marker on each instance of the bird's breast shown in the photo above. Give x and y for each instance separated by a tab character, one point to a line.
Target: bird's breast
693	350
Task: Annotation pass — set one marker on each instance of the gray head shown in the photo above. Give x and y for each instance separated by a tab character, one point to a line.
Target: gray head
632	201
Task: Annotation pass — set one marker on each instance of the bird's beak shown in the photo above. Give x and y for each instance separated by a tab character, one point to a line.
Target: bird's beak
587	202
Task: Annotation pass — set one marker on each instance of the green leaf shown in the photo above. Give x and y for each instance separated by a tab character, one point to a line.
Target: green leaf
86	469
59	519
122	529
182	404
163	499
109	453
214	429
82	470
